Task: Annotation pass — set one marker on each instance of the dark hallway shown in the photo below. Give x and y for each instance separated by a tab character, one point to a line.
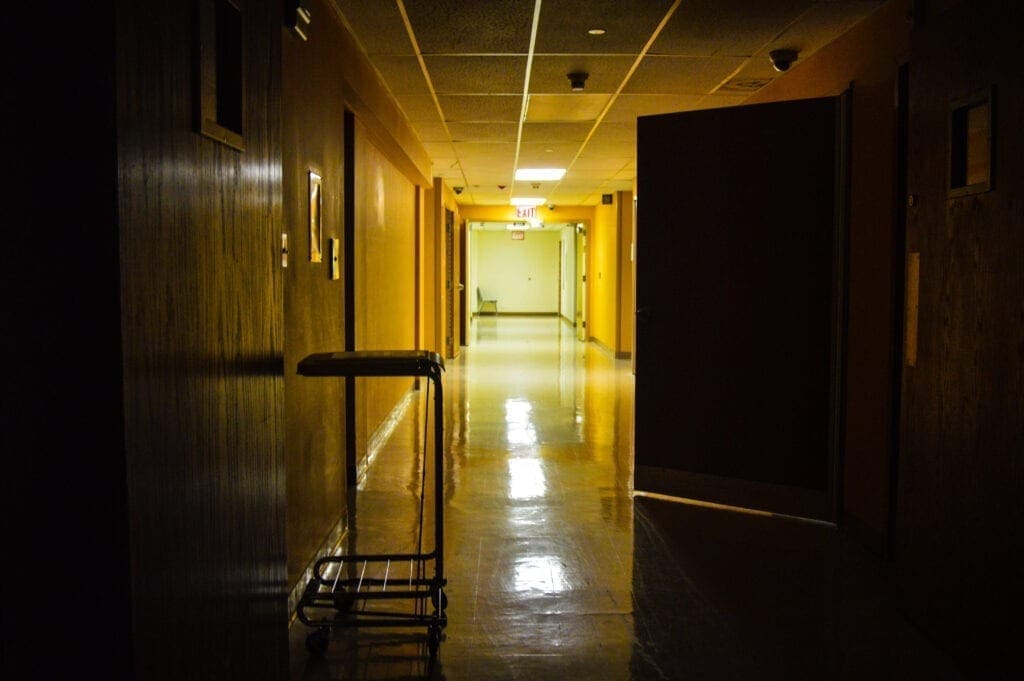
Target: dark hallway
556	571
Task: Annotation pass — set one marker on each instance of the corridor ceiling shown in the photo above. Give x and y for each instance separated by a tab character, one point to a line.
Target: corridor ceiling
485	83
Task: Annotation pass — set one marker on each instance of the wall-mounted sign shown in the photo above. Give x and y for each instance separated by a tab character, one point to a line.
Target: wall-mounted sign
526	212
518	235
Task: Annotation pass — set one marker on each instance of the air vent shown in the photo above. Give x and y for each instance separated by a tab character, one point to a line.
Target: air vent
744	84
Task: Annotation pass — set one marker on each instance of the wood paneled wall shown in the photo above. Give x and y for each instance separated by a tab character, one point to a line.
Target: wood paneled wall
203	339
955	538
960	548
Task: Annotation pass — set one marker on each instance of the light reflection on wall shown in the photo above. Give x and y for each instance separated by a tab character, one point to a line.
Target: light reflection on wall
526	479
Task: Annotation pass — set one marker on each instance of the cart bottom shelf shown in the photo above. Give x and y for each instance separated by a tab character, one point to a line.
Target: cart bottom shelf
392	593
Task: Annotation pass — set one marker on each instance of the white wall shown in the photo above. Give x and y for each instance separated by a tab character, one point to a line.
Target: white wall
522	275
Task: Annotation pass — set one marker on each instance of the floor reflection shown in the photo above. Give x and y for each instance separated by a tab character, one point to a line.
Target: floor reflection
555	571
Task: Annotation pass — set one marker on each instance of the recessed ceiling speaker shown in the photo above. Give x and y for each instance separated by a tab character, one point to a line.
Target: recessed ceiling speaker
578	80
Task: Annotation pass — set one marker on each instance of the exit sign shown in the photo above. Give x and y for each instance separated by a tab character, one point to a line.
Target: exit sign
526	212
518	235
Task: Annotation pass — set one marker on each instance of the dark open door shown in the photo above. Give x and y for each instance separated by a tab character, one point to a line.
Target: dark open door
739	305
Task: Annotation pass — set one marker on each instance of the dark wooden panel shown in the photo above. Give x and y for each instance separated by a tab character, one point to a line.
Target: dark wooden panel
959	544
734	291
203	342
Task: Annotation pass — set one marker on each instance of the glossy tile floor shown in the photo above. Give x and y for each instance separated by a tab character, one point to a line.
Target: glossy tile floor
557	571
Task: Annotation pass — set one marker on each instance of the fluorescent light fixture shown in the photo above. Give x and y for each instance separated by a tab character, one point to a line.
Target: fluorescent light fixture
539	173
526	201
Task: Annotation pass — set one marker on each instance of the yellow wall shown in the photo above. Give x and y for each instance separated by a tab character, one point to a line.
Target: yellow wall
523	275
385	277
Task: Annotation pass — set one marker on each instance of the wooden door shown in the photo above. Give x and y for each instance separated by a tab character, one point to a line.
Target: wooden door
739	302
449	278
581	285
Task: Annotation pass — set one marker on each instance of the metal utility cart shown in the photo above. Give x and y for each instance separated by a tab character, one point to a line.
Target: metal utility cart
383	590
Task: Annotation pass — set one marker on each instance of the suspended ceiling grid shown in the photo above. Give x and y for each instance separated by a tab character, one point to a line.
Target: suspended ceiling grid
485	84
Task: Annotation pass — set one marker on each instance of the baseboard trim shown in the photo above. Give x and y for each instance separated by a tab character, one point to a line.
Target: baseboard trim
331	546
774	499
382	434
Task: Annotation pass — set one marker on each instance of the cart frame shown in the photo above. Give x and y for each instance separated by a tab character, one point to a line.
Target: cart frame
331	597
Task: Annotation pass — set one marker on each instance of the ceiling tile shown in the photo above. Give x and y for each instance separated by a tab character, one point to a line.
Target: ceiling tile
550	133
484	132
547	155
450	27
490	75
601	162
708	28
566	108
681	75
550	74
628	25
710	53
471	150
820	25
481	108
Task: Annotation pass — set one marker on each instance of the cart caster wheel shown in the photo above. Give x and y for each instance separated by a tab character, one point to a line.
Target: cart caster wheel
316	642
343	602
433	643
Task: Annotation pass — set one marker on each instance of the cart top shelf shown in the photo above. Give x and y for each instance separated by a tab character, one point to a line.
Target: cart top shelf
372	363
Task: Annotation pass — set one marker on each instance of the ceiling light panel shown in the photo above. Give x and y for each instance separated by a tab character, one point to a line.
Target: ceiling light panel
539	174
